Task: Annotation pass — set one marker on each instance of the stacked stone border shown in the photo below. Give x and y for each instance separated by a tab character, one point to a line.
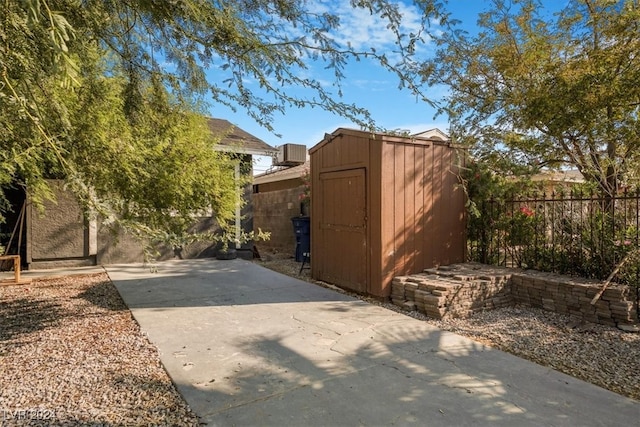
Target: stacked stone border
460	290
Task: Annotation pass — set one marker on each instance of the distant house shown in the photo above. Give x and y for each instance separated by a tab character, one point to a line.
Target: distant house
280	179
237	140
61	237
434	134
555	181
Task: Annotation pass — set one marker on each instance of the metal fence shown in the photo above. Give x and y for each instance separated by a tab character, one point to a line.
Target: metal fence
577	234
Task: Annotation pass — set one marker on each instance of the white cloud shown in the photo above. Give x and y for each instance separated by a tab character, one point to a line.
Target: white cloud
363	30
372	85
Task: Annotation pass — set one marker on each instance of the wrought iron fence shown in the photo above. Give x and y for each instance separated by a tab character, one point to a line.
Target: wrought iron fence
578	234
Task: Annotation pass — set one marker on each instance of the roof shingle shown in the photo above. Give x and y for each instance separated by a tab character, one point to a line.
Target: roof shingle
237	140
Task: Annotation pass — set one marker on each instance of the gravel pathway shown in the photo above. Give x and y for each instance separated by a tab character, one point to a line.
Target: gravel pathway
602	355
71	354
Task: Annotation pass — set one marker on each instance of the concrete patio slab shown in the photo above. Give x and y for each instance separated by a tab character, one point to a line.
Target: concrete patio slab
248	346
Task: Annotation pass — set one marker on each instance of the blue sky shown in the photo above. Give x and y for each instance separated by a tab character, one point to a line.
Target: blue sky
367	85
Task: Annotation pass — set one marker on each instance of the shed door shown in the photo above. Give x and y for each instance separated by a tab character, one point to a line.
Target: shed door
343	225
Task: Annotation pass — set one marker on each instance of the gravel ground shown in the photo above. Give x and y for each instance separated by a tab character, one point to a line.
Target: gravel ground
601	355
71	354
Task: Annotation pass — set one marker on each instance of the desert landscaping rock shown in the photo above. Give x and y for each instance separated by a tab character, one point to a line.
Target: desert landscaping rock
71	354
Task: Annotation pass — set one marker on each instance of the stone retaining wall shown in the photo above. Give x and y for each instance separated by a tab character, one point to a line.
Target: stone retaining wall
460	290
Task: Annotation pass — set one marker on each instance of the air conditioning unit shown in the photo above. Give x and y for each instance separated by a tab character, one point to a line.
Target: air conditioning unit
291	155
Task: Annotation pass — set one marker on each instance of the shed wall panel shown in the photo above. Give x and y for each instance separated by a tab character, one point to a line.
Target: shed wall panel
399	213
421	216
448	202
455	217
419	203
411	200
387	210
344	152
411	243
376	175
427	219
439	208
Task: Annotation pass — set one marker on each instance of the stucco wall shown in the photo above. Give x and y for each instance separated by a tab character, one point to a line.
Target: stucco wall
116	246
59	234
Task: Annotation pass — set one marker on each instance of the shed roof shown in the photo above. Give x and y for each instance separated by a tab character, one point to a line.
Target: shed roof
390	137
237	140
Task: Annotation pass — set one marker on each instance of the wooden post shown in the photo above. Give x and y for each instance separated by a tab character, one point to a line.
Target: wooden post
16	271
16	268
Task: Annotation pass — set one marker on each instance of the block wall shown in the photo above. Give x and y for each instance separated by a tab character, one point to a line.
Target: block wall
272	211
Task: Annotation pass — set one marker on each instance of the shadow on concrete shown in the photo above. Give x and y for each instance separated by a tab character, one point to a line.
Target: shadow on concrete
249	346
210	282
384	374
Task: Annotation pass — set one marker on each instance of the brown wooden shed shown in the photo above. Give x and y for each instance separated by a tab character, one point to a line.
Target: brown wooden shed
383	206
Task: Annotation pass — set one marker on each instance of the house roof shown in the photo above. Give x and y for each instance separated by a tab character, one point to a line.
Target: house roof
434	133
282	174
237	140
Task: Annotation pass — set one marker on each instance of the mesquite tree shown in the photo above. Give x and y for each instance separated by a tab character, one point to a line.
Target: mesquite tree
548	88
109	95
